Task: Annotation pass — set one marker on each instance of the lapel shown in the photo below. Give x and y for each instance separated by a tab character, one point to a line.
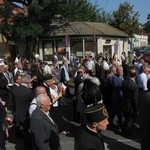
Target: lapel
48	119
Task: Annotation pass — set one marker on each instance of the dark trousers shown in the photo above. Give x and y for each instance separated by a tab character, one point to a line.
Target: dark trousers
127	124
117	110
145	137
26	134
2	138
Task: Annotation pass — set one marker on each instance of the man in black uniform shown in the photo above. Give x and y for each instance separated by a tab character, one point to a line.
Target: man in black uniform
88	136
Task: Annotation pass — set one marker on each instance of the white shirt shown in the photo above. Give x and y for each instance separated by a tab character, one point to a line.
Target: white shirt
67	78
54	92
47	70
142	81
47	113
90	65
32	107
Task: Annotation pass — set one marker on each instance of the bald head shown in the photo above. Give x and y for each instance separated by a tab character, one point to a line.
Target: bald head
40	90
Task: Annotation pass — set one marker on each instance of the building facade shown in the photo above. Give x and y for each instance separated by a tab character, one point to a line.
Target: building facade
81	38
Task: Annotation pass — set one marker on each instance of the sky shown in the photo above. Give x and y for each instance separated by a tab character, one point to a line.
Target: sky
142	6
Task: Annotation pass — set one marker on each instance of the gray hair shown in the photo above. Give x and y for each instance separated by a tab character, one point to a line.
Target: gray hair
39	90
26	78
40	99
95	80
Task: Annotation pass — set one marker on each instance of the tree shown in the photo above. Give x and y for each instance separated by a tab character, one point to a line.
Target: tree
126	19
84	10
146	27
39	14
25	26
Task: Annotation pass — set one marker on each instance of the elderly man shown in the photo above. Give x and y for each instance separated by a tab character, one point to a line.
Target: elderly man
43	129
88	136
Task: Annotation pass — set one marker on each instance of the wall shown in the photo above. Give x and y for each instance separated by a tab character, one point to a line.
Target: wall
140	40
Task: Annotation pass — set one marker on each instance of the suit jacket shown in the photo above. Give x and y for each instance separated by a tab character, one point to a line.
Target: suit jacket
130	96
77	81
116	82
85	139
22	97
3	87
144	112
99	71
45	134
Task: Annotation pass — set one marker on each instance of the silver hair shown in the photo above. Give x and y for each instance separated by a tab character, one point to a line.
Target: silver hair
86	76
39	89
26	78
40	99
95	80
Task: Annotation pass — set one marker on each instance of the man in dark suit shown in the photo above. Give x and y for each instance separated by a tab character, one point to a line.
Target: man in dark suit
23	95
78	79
3	84
17	83
45	134
130	102
99	71
144	112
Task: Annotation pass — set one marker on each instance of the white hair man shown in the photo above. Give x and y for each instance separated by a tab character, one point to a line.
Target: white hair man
44	130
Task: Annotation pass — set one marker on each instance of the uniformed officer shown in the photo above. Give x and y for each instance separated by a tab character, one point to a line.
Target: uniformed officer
88	136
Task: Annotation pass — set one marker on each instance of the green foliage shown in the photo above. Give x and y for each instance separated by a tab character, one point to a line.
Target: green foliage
32	30
146	27
24	26
83	10
126	19
41	13
147	24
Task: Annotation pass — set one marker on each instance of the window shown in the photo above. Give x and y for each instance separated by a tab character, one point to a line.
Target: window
48	51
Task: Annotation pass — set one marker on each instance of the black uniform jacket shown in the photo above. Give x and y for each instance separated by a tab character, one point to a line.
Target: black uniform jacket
86	139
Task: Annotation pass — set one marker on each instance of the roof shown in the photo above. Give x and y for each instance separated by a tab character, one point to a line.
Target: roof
84	29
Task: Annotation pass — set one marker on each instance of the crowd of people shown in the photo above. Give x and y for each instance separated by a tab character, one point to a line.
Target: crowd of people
32	94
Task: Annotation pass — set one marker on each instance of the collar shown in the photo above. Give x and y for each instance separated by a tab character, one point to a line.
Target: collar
90	131
17	84
45	84
24	84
